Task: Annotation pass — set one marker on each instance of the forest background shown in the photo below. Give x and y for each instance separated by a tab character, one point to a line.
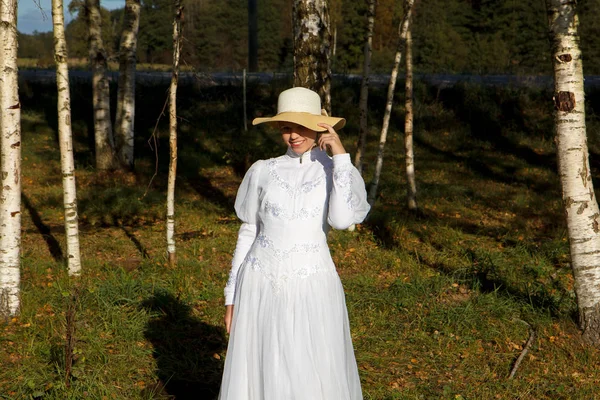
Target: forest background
450	36
441	303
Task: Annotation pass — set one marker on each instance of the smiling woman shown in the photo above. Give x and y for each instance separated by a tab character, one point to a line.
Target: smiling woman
290	335
299	138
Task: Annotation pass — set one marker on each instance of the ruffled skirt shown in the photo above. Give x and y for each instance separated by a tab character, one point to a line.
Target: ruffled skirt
290	338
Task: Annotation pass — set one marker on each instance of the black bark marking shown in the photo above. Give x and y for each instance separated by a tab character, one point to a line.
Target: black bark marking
15	145
14	107
565	58
582	208
564	101
595	224
568	202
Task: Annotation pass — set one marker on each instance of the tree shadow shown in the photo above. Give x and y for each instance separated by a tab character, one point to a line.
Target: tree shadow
187	350
138	245
43	229
489	112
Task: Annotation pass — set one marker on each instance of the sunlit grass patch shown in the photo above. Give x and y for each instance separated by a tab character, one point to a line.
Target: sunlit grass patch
440	302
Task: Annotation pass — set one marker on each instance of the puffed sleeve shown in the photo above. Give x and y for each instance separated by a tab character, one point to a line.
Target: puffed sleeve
348	197
247	203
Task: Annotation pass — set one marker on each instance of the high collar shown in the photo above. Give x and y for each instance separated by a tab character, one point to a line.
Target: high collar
306	157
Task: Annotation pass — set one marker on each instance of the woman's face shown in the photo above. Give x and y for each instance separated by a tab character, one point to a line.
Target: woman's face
297	137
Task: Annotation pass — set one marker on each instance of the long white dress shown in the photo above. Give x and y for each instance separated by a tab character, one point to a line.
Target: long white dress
290	337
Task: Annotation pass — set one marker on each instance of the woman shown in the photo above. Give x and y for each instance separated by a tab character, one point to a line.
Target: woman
289	332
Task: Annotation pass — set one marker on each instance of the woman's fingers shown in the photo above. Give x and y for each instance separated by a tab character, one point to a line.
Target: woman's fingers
330	139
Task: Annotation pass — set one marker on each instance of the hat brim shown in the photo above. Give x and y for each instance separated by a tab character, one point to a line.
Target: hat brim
307	120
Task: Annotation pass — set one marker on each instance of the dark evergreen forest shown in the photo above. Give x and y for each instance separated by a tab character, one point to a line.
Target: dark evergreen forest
450	36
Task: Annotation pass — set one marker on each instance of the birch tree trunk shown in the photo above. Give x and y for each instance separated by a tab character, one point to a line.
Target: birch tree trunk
173	134
103	133
402	32
581	206
10	163
409	154
125	117
364	88
312	48
65	139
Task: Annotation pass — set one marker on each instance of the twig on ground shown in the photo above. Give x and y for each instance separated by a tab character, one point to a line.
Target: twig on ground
524	351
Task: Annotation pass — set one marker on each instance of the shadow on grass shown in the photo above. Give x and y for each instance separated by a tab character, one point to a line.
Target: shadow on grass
185	348
43	229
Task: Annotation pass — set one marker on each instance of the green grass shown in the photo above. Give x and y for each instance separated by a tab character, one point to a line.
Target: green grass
439	301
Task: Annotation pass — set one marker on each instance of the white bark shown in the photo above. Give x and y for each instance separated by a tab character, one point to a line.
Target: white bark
103	133
65	139
124	122
402	31
10	163
409	155
364	88
173	134
312	48
579	200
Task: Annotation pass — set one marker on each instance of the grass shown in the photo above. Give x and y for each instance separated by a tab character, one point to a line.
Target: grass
439	302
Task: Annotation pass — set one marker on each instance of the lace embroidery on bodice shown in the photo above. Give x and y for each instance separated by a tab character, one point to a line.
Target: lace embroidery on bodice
292	203
282	254
278	211
292	191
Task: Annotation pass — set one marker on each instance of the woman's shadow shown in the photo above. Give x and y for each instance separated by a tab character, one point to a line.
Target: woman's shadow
187	351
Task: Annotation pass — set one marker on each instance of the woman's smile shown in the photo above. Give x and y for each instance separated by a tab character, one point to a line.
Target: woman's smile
299	138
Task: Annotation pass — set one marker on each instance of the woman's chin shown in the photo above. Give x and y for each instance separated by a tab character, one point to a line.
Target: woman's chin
300	149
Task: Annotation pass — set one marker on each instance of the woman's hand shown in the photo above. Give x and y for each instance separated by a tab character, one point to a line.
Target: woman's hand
228	317
330	139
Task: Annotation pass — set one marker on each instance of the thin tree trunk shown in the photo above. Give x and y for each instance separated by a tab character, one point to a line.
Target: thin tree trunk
411	190
364	88
402	31
177	22
67	162
334	45
579	200
126	91
252	36
312	48
10	163
103	134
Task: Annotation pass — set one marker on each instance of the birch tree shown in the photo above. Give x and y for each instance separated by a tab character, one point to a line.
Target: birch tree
364	87
579	200
312	47
10	163
402	32
124	121
103	134
67	162
177	21
409	154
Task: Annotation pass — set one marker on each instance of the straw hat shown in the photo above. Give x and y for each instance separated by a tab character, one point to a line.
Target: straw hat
303	107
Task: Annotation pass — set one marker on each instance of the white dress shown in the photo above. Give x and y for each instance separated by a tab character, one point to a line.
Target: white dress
290	337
